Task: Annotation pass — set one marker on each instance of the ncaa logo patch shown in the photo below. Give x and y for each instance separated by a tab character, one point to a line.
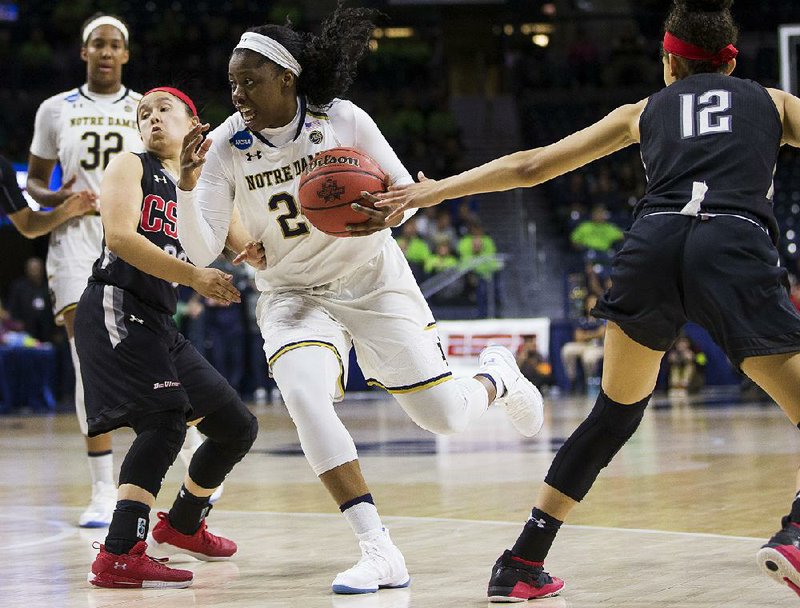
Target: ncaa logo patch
315	137
242	140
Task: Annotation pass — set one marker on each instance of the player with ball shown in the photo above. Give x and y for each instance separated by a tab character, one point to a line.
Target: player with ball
321	293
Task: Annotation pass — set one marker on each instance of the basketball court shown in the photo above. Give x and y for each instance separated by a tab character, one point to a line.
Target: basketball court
675	521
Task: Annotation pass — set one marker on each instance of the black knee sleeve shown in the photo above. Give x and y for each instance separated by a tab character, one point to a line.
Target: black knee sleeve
230	432
593	444
159	438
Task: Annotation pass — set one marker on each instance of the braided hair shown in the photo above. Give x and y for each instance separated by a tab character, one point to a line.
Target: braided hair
704	23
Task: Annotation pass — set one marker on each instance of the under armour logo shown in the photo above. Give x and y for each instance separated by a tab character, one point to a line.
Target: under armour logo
330	190
160	178
120	565
256	155
136	319
539	522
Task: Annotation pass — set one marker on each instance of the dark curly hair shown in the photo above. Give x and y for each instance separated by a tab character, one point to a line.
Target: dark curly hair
704	23
98	15
330	59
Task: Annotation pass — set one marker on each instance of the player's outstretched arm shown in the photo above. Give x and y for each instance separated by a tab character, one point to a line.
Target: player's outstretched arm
789	109
527	168
32	224
120	202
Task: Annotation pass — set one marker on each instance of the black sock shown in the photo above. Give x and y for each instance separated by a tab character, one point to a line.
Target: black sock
128	526
537	536
188	511
794	514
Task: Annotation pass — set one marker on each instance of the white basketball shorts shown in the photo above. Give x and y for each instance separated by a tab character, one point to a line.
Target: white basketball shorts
74	248
378	308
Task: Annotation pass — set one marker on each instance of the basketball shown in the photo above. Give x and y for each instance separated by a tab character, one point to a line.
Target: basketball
333	181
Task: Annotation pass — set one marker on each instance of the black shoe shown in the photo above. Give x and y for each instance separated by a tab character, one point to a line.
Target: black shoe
779	559
516	580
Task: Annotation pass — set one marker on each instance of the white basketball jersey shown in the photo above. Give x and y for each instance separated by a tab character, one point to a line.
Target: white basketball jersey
266	180
84	130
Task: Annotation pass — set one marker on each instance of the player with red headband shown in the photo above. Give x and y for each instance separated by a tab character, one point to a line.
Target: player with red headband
82	129
701	249
140	372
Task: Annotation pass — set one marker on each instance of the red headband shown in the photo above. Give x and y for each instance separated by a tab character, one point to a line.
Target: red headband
676	46
177	93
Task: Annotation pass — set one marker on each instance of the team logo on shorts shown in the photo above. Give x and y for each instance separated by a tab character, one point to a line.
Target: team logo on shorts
315	137
242	140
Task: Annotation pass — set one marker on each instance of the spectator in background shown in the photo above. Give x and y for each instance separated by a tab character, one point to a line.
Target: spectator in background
597	236
29	301
586	347
686	366
413	247
482	280
533	365
225	330
443	229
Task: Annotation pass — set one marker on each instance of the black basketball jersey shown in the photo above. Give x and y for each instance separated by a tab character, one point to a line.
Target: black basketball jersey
11	199
158	224
711	142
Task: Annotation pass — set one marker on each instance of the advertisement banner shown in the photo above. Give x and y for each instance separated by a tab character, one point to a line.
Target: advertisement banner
462	341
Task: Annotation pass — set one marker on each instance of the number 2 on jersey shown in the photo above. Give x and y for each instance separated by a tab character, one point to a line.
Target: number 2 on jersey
300	228
703	116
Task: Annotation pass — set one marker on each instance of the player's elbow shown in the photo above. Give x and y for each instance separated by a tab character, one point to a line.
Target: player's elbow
527	169
22	221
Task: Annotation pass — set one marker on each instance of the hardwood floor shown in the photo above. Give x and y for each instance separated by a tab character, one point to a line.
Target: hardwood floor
675	521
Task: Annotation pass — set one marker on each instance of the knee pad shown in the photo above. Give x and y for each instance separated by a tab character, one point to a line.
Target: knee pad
159	438
231	431
325	441
593	444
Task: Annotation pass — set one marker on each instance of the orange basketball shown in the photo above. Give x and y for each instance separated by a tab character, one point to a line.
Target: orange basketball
332	182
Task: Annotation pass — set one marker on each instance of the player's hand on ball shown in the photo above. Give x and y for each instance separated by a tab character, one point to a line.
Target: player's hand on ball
254	254
397	199
193	156
215	284
378	218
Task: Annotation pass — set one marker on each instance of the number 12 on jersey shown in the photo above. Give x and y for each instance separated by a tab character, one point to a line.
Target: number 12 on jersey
703	114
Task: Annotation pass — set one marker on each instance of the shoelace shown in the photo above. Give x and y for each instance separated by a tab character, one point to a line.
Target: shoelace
369	551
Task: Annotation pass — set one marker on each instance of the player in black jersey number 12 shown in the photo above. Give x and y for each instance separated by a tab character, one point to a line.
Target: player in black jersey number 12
701	249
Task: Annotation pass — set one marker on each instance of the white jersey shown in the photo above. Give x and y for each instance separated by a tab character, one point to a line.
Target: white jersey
260	174
84	130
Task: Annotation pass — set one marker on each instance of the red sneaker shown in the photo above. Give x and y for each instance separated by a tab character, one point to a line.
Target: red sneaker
202	544
136	570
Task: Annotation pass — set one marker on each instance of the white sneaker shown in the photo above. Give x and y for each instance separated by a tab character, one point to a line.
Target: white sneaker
193	440
101	509
522	400
381	566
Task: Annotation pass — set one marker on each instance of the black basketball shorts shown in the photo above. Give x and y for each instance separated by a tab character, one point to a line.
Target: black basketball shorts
720	272
134	362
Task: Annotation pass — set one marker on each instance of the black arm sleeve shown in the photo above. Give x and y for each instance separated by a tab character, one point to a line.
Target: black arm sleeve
11	199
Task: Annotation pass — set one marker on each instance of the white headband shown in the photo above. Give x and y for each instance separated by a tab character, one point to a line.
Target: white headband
106	20
271	49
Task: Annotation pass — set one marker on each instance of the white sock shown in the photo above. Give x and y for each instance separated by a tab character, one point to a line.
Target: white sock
363	517
102	468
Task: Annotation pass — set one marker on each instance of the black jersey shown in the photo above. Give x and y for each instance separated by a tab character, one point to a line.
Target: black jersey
711	142
158	224
11	199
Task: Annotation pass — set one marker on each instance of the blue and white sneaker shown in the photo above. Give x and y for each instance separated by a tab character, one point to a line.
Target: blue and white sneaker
381	566
101	509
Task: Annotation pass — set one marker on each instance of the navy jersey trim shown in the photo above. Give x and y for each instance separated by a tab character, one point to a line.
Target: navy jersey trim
300	125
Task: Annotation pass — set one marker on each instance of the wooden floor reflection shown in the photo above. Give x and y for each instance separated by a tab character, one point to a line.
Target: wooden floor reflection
675	521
